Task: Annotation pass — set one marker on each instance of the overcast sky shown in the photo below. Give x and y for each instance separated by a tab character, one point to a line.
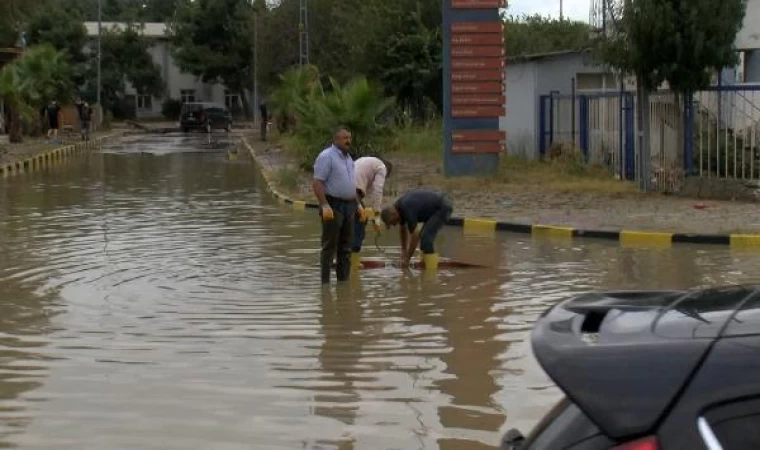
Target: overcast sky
573	9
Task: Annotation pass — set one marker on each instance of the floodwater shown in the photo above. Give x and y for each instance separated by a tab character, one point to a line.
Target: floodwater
155	296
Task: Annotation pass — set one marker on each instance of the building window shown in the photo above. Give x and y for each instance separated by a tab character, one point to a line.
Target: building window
188	95
144	102
231	100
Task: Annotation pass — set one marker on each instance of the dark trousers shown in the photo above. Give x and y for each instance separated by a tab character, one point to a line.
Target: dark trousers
263	129
433	225
359	227
336	239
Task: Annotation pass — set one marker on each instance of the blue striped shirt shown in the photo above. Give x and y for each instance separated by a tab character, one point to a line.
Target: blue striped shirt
337	171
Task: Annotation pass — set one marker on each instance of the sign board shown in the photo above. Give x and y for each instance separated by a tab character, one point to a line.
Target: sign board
474	85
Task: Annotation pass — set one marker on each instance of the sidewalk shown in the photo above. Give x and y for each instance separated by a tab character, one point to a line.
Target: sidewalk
619	209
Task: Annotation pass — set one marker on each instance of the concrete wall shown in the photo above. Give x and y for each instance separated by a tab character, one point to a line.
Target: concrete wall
748	37
521	122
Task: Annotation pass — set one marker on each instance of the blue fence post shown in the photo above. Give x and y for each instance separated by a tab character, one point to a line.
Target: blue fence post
551	116
630	156
688	131
584	124
542	125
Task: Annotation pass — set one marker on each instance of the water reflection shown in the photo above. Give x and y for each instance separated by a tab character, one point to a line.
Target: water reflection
162	299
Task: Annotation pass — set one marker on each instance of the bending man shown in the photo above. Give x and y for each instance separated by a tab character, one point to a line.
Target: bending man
414	207
371	173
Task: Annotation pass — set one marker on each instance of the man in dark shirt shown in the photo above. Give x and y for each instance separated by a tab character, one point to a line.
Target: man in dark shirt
418	206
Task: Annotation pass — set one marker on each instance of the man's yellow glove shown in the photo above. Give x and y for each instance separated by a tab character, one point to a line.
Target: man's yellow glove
327	213
362	214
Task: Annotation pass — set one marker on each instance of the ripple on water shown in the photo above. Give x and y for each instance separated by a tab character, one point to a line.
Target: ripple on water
166	301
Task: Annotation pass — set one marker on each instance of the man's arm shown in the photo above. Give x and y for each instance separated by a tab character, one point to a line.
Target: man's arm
412	245
318	186
378	184
404	240
321	172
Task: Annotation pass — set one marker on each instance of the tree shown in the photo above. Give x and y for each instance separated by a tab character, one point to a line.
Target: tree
12	15
678	41
125	58
63	29
536	34
212	39
409	60
39	75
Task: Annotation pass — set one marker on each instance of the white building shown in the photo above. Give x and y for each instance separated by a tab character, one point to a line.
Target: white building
179	85
531	76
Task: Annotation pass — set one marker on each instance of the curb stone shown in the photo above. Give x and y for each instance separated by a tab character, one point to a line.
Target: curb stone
39	160
627	238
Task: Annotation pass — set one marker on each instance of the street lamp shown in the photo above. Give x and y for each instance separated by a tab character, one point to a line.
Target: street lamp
255	61
100	35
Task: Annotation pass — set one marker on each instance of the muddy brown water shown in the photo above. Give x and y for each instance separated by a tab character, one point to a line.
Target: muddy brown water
155	296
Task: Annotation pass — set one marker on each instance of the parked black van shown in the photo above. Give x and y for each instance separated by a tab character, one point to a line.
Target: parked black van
204	116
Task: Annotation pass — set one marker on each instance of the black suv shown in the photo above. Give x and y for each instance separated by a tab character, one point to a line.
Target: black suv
645	370
204	116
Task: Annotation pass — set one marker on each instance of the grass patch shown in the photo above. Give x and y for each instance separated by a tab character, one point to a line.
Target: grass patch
565	173
425	141
288	179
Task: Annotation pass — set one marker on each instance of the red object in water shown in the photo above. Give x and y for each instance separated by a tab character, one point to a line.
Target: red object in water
699	205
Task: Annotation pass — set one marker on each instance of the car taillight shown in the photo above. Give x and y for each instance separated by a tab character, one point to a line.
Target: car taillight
647	443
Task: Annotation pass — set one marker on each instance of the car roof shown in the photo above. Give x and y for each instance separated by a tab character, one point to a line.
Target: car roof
624	356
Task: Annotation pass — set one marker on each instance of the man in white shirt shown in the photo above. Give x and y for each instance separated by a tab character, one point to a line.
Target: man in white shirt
371	173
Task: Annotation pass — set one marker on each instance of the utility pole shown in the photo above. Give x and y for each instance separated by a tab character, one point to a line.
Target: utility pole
255	62
560	11
303	33
100	36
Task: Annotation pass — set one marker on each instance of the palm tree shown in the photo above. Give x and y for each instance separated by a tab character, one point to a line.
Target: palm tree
40	74
295	84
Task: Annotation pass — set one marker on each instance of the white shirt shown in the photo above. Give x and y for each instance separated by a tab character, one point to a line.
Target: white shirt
370	175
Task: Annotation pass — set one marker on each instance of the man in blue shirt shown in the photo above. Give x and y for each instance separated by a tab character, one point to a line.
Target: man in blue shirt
335	188
418	206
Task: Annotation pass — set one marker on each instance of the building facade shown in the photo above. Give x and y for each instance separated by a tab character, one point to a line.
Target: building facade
179	85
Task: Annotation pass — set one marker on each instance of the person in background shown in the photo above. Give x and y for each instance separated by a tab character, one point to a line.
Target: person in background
371	173
264	120
51	112
414	207
334	186
85	115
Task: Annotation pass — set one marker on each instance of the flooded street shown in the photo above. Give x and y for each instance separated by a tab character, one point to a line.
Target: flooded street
155	296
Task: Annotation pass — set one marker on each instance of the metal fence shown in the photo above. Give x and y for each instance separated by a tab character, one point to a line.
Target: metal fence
726	132
715	134
599	125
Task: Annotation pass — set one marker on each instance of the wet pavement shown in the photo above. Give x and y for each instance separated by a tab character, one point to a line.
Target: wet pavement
155	296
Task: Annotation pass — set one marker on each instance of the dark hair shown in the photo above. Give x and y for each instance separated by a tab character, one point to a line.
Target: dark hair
385	215
388	166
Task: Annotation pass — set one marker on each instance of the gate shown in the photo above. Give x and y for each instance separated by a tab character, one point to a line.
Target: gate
600	125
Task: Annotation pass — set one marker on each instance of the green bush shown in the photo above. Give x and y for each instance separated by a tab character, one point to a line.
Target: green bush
316	112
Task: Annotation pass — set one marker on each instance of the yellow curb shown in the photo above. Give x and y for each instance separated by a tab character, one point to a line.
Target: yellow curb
745	240
646	238
552	231
478	225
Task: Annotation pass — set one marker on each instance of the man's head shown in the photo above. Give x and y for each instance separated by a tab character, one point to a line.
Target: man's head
342	139
390	216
